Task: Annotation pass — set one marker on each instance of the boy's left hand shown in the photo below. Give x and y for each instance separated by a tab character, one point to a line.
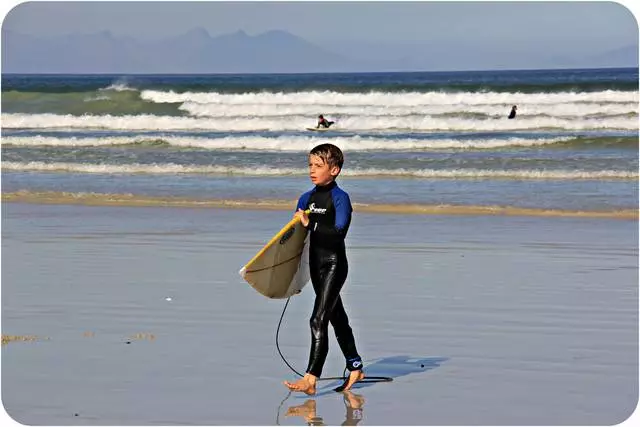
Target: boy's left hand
304	218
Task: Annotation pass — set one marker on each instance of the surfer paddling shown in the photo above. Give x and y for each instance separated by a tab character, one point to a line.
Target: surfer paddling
323	123
328	222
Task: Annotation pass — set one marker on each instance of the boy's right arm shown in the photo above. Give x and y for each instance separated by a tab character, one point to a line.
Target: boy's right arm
303	201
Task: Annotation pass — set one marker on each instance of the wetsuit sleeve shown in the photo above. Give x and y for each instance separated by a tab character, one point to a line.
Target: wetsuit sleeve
303	201
342	206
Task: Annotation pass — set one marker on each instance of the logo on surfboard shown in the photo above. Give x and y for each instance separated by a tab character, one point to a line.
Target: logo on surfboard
287	235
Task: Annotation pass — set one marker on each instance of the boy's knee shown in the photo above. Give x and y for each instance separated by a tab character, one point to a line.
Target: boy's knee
317	324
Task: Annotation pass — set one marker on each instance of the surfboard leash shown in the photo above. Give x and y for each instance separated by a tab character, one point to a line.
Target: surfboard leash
342	378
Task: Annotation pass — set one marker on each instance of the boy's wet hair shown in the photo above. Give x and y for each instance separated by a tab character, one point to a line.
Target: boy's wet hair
331	154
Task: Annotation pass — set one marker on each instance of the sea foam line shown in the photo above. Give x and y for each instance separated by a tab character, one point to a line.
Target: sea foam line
388	98
364	123
172	168
284	143
565	110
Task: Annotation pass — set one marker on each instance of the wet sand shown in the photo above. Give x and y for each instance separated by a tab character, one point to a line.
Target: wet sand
141	318
102	199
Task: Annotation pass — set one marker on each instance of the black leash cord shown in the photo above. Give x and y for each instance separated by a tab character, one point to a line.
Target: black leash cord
342	378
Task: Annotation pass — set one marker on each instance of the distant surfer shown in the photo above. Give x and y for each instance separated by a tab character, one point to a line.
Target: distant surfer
328	223
322	122
512	114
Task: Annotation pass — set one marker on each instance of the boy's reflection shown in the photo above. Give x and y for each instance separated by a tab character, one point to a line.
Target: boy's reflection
353	402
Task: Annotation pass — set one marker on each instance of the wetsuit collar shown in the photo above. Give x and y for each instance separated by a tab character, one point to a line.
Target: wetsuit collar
325	188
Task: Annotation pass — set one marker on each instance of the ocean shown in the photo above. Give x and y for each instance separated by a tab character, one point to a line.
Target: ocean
437	139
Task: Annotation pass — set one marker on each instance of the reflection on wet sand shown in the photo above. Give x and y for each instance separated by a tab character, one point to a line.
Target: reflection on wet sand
353	404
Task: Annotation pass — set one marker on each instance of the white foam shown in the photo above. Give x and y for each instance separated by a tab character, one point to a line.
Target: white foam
164	168
383	99
292	123
524	174
285	143
500	110
119	87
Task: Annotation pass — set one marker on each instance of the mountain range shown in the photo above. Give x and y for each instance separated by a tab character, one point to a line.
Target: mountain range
277	51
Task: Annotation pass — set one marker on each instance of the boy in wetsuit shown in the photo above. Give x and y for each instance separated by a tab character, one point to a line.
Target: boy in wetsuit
328	223
323	122
512	114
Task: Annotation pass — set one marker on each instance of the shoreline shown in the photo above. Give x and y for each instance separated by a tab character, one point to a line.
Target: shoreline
131	200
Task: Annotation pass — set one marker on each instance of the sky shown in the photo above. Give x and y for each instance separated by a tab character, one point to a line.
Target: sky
454	35
571	24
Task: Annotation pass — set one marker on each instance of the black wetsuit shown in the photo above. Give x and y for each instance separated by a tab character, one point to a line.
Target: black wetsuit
324	123
329	222
512	114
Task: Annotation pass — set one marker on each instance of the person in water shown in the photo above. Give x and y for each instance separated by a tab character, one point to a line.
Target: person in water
322	122
512	114
328	222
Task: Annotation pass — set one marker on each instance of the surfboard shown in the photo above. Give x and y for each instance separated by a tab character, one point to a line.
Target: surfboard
319	129
281	268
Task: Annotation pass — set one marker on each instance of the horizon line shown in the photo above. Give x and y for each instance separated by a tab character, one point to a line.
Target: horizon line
324	72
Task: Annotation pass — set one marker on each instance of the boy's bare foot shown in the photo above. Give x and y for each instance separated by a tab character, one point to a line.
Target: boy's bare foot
354	377
306	384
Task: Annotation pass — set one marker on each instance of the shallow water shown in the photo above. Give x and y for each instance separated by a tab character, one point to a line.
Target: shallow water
408	138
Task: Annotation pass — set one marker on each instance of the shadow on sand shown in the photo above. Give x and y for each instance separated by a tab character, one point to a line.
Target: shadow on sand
392	367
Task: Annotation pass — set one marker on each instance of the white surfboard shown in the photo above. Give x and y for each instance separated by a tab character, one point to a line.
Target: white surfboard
319	129
281	268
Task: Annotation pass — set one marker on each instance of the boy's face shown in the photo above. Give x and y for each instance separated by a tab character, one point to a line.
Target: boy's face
320	172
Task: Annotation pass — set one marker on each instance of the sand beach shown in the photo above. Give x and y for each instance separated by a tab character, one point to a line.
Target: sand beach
138	317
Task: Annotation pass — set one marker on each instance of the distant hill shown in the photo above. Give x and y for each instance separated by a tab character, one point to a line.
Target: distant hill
627	56
193	52
271	52
472	55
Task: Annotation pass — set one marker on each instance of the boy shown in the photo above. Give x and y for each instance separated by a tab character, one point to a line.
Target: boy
328	223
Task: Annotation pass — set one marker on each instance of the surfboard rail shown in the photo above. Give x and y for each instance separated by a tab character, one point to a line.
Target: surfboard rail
280	268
